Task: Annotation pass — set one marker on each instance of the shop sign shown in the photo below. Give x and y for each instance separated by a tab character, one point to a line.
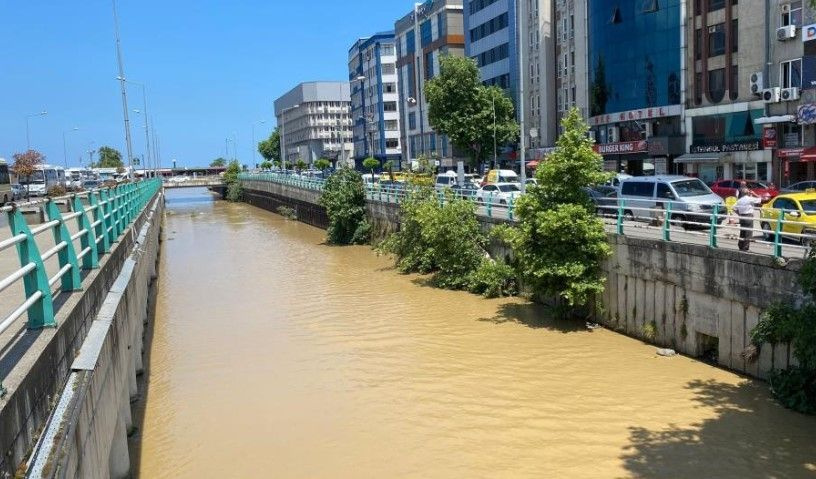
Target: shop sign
806	114
622	148
727	147
789	152
809	33
769	137
636	115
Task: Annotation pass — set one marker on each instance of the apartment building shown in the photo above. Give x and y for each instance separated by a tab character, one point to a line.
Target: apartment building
375	108
572	73
430	30
315	122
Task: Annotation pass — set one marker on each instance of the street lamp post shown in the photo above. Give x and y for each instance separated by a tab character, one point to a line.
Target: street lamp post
255	145
122	87
28	128
283	135
522	137
144	109
65	145
495	148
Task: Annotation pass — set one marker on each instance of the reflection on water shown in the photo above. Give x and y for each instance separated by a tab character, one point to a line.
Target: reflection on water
277	356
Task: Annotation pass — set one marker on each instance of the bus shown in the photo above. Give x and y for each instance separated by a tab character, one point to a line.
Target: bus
5	182
43	178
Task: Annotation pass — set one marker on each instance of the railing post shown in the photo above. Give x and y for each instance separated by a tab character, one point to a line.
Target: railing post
712	232
41	313
621	203
88	240
70	281
667	222
510	209
490	205
778	235
101	227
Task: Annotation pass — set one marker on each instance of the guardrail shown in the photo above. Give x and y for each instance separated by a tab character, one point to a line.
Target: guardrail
780	233
101	216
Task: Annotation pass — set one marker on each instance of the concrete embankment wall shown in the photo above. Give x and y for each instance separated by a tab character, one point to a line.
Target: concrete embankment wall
89	367
697	300
305	204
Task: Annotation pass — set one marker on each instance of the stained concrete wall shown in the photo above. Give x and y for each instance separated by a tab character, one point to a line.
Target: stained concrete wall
50	377
669	294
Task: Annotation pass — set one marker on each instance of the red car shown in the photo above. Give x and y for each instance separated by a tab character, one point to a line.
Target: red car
726	188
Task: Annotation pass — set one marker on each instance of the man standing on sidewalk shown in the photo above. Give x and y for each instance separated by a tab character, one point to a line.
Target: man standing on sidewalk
745	209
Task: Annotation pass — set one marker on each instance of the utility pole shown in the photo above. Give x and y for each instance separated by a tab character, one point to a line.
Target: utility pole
522	137
123	88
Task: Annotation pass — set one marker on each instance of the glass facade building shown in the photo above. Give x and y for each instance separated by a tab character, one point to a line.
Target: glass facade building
634	54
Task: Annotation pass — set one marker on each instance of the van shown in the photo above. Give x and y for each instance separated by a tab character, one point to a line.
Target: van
500	176
691	200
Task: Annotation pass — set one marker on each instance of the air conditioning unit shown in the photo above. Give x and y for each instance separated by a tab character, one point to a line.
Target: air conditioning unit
772	95
790	94
757	83
612	135
786	33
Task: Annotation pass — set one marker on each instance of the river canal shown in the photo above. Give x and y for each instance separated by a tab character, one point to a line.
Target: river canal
276	356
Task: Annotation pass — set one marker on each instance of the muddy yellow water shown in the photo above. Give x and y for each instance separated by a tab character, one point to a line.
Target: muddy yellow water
275	356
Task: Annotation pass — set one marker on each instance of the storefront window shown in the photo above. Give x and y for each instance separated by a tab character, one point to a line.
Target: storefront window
726	128
751	171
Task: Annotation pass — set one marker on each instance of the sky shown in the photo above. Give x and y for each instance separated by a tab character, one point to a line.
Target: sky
212	70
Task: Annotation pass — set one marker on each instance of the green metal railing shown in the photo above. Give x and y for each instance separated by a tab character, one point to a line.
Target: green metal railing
100	220
623	216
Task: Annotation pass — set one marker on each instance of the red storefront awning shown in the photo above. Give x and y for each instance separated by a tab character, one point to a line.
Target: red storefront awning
808	154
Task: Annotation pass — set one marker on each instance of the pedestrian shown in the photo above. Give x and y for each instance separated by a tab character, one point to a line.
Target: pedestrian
744	207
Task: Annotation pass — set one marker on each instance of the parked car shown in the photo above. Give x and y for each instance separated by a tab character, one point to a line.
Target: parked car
800	187
17	191
799	216
467	190
88	185
445	180
500	176
691	200
605	199
616	180
498	193
531	182
729	188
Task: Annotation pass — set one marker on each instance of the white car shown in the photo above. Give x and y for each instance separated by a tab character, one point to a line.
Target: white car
498	193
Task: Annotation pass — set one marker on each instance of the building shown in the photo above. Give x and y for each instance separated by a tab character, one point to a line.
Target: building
492	40
572	72
636	95
430	30
375	99
315	122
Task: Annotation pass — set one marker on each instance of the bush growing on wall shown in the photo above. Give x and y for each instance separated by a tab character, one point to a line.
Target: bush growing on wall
344	200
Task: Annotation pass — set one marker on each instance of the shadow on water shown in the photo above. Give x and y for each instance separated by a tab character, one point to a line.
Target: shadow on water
775	450
535	316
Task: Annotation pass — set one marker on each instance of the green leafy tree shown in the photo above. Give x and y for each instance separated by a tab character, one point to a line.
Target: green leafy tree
371	164
109	158
560	243
232	172
270	148
25	164
218	163
322	164
300	165
344	199
463	108
786	323
266	165
389	167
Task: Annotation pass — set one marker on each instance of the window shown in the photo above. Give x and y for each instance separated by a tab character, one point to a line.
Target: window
391	125
734	36
411	80
387	49
790	73
663	191
429	65
477	5
733	89
649	6
698	44
412	121
391	143
388	69
792	15
638	188
715	5
390	106
716	40
489	27
716	85
441	25
410	42
389	88
426	33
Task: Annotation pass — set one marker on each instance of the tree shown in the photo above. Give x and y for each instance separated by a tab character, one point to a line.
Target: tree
462	108
218	163
344	199
25	164
270	148
322	164
560	243
266	165
389	166
109	158
232	171
300	165
371	164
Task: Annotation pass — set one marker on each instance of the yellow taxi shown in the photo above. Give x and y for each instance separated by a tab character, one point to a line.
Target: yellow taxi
798	216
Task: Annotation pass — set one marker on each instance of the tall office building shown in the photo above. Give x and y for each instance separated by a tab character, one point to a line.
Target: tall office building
432	29
636	94
315	122
572	75
492	40
375	99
